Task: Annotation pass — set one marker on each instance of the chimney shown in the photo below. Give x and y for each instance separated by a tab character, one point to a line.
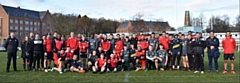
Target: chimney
18	7
187	21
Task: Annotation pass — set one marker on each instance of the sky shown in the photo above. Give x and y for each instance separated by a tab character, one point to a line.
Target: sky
171	11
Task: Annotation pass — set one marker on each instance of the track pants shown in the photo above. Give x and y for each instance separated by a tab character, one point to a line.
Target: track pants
199	64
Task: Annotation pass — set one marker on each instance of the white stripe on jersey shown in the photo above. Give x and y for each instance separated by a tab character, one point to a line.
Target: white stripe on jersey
37	42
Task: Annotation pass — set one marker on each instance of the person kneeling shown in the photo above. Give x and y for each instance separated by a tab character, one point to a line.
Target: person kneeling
100	64
162	57
59	61
112	64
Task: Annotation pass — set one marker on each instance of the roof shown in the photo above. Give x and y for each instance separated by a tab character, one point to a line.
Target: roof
147	23
13	11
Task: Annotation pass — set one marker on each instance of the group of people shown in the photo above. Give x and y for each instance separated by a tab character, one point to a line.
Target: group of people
102	53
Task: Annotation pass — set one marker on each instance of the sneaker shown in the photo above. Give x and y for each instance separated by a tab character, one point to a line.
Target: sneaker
60	72
34	70
115	70
52	69
202	72
224	72
161	69
122	70
209	71
46	70
146	70
196	71
108	71
137	70
65	70
217	71
233	72
82	71
39	69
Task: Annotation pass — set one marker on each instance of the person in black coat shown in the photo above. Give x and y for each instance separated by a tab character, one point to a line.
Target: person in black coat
11	45
26	47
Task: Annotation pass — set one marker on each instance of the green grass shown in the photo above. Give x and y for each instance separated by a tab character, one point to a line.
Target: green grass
127	76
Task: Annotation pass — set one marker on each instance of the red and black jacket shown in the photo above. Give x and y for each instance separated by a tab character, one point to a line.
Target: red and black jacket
140	53
105	45
47	45
143	44
119	45
59	45
83	46
72	43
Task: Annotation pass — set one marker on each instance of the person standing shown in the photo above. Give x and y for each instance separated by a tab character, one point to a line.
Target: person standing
190	52
184	53
229	44
26	47
93	43
31	36
165	41
48	51
37	51
176	51
214	42
83	45
134	41
11	45
198	47
72	42
153	41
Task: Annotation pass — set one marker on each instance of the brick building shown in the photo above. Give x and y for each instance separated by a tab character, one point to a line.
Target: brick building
22	22
145	26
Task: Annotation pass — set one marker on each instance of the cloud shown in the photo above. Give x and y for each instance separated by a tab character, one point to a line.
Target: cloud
11	2
37	1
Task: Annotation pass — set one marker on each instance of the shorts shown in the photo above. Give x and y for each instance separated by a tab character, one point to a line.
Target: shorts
49	56
62	59
184	53
111	68
76	52
229	56
83	55
138	57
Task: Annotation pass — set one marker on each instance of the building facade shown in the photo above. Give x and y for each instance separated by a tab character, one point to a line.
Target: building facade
22	22
145	26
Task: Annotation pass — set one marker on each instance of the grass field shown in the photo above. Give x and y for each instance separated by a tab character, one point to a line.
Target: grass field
127	76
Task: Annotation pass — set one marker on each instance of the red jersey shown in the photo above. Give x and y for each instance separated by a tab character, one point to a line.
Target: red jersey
117	56
59	44
229	45
72	43
105	45
165	42
69	54
83	46
101	62
113	62
140	53
139	37
48	45
143	44
119	45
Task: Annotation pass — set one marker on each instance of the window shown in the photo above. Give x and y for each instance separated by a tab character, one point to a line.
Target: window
35	29
11	21
26	22
21	22
26	28
0	21
16	27
31	23
11	27
16	21
21	28
35	23
38	23
16	34
31	29
21	34
43	24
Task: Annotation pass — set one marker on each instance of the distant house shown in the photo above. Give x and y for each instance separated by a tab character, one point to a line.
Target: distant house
22	22
145	26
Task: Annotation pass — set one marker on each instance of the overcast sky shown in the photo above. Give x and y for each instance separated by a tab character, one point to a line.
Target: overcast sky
168	10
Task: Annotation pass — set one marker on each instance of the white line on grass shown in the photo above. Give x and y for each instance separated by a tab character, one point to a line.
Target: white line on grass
126	77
